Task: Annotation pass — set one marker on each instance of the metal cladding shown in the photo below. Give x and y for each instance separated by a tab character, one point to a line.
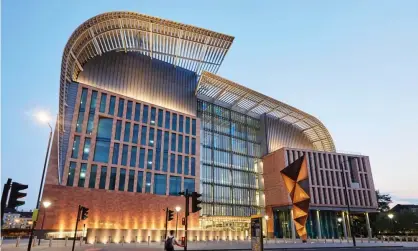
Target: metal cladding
295	177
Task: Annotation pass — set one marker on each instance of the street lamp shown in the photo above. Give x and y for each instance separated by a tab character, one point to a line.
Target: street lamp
177	217
339	219
44	118
46	205
391	221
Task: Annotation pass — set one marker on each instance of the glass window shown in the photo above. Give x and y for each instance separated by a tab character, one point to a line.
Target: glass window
93	101
166	140
187	144
86	149
79	124
193	167
103	174
175	185
135	134
181	123
93	174
160	184
112	182
180	144
160	118
174	122
148	183
137	111
153	112
149	159
145	114
120	107
173	142
159	136
133	156
139	182
172	163
76	145
71	173
131	180
83	99
167	120
82	176
144	135
187	125
127	131
124	155
151	137
165	161
142	158
193	146
189	184
157	159
186	165
179	164
122	177
194	127
103	103
112	105
115	156
129	110
90	123
118	129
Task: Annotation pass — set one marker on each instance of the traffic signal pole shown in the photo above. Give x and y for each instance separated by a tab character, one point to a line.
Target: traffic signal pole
4	196
186	195
76	225
166	223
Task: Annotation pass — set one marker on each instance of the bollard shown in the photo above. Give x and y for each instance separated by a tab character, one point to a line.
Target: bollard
333	239
317	239
123	239
110	239
361	239
217	238
195	238
375	239
207	240
66	240
284	239
325	240
383	239
136	239
81	240
348	240
341	240
17	241
50	241
34	241
1	241
237	238
95	241
148	239
368	239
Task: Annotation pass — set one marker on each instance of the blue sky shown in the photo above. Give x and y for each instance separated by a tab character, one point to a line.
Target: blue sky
353	64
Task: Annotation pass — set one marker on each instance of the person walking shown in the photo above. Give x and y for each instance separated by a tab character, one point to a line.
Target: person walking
170	242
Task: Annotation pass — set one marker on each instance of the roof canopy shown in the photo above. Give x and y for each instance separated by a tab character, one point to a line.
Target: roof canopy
226	93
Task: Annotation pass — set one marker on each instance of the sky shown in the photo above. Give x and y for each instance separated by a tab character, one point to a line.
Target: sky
352	64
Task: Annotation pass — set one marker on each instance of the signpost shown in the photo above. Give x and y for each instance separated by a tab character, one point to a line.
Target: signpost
257	233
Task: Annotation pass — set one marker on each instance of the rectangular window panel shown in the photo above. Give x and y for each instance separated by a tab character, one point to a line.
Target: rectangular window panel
93	174
137	111
103	99
166	141
112	105
82	175
193	166
174	122
90	123
139	182
160	118
127	131
165	162
129	110
167	120
157	159
71	173
194	127
76	145
145	114
179	164
181	123
82	109
172	163
112	181
133	156
148	183
186	145
159	136
122	177
79	124
151	137
131	180
186	165
173	142
124	155
120	107
149	159
160	184
135	134
153	113
189	184
180	144
103	175
118	129
175	185
187	125
142	158
193	146
86	148
144	135
115	156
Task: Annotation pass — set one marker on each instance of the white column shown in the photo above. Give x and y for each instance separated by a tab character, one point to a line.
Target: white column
369	230
348	224
292	225
318	225
344	225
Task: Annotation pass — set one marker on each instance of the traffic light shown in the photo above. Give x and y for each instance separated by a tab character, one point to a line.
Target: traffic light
15	195
196	202
84	213
170	215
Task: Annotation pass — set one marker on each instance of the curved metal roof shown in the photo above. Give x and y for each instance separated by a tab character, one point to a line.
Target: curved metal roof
226	93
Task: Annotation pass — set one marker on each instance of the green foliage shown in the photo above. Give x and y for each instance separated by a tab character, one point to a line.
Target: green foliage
383	201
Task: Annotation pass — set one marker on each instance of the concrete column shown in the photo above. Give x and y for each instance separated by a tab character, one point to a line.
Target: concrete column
344	225
369	230
292	225
318	225
348	224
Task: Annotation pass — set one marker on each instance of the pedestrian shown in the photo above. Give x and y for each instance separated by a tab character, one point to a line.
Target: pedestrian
170	242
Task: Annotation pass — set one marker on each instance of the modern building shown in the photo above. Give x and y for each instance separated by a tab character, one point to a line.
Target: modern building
14	219
400	208
143	116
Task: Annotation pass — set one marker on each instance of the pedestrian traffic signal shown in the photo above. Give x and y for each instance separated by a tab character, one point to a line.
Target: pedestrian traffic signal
15	195
170	215
196	202
84	213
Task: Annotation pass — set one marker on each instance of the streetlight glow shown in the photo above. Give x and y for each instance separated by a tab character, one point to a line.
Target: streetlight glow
390	216
266	217
178	209
43	117
46	204
339	219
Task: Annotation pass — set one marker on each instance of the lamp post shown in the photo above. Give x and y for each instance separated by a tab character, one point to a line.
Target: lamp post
177	217
46	205
391	221
44	118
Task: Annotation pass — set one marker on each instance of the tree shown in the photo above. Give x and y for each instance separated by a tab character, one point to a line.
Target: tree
383	201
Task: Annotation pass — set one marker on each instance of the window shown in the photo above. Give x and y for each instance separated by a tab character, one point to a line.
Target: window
137	111
129	110
133	156
93	174
103	99
187	125
151	137
148	183
175	185
167	120
186	165
179	164
131	180
76	145
193	166
139	182
173	142
159	135
86	149
172	163
160	118
160	184
90	122
124	155
81	109
122	177
112	182
193	127
174	122
115	156
118	129
127	131
166	139
149	159
145	114
82	176
79	124
112	105
187	144
71	172
142	158
103	174
135	134
181	123
193	146
165	161
120	107
144	135
180	144
189	184
153	111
